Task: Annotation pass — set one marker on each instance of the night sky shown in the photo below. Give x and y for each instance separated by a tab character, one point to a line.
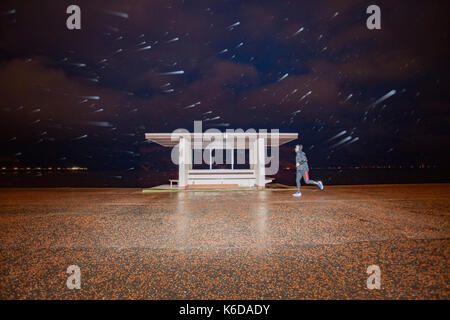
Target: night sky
355	96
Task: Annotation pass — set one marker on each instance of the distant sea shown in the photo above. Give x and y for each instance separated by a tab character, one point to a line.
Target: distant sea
143	179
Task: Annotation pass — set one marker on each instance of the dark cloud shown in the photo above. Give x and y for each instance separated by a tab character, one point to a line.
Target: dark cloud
244	64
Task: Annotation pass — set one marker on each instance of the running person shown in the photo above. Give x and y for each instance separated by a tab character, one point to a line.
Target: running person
301	162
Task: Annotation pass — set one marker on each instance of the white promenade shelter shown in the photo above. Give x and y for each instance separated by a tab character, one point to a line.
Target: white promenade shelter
191	149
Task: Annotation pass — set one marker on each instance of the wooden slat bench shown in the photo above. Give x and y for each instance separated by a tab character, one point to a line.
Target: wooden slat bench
172	181
222	177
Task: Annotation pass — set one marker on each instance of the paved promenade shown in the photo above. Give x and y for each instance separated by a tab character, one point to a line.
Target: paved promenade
226	245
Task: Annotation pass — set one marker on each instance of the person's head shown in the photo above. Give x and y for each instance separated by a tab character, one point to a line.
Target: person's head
298	148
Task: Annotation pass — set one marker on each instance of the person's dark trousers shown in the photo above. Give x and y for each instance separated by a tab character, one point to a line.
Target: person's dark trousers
305	175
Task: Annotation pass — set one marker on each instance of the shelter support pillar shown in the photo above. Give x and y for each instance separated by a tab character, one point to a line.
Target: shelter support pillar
258	150
251	154
184	162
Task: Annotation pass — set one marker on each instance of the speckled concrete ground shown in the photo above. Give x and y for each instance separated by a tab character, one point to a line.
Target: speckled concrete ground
226	245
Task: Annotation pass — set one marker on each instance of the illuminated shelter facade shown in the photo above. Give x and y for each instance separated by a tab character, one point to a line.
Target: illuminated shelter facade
191	149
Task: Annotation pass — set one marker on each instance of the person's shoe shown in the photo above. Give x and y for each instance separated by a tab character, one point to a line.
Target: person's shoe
297	194
320	185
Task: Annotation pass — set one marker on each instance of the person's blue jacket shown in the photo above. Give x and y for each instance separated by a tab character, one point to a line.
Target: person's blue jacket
301	159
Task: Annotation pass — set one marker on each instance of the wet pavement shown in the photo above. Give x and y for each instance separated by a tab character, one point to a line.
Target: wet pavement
226	245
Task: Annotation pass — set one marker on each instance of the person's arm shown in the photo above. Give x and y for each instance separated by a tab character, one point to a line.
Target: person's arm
297	160
304	159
